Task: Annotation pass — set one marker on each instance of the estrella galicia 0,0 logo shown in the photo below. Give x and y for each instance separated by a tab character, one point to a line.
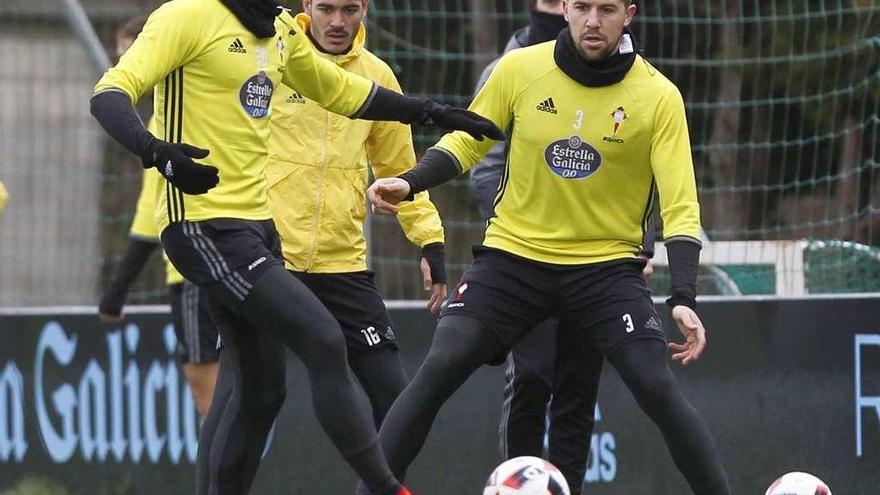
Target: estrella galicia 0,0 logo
256	95
572	158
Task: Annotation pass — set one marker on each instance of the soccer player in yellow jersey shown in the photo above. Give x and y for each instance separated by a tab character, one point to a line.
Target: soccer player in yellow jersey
541	403
318	168
594	131
4	196
195	330
214	66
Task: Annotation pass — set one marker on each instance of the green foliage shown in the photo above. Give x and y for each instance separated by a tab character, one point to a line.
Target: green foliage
33	485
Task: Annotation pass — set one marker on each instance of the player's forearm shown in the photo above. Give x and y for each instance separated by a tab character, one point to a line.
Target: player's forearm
434	254
136	256
420	221
683	254
436	167
114	111
384	104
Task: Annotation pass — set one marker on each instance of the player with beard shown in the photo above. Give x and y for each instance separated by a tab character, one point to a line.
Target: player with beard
214	66
540	401
594	132
318	168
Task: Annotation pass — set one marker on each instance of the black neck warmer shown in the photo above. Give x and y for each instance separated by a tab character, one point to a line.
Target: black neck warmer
605	72
258	16
544	26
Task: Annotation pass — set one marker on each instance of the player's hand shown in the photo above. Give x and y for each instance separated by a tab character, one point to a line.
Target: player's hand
175	162
110	307
109	318
385	193
648	271
694	333
438	291
109	311
451	118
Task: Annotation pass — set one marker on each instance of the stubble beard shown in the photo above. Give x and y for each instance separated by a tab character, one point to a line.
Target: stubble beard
592	56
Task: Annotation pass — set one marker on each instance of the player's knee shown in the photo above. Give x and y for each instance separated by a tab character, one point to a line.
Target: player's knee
442	362
656	393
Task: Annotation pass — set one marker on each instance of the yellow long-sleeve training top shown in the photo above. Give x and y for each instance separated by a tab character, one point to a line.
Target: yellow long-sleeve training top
214	82
584	162
318	170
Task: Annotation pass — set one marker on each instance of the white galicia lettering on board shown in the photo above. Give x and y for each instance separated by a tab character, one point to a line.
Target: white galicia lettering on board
13	445
111	411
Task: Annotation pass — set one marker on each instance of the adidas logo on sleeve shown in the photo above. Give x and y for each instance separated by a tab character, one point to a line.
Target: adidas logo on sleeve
547	106
237	47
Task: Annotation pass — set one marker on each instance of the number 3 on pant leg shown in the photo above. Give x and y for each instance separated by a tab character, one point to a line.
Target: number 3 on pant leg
629	323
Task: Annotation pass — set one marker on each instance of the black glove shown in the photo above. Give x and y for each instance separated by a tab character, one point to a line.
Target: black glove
451	118
434	255
174	162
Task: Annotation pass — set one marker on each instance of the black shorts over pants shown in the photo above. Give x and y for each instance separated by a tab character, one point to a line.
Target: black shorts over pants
353	299
608	303
193	324
227	256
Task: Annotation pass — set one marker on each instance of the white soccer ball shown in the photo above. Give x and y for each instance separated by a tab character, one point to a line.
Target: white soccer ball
526	476
797	483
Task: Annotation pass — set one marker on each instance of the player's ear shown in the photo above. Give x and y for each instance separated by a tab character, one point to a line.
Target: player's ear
307	6
630	14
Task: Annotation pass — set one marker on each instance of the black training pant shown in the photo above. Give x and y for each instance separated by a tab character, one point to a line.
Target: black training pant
260	309
462	344
606	305
354	301
541	403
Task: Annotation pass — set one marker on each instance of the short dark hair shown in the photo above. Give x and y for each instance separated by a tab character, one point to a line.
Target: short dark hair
132	28
627	2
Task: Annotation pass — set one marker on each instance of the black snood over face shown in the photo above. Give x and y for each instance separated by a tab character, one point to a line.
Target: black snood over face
258	16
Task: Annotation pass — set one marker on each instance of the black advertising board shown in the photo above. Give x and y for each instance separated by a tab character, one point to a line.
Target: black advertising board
785	385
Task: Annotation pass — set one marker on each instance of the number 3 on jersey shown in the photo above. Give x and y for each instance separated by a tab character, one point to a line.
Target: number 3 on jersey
578	120
629	323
